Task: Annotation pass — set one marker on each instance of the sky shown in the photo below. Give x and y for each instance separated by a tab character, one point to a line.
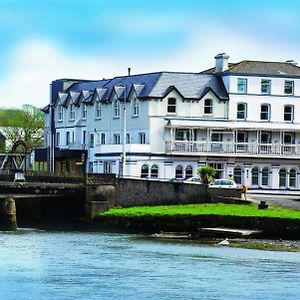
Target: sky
45	40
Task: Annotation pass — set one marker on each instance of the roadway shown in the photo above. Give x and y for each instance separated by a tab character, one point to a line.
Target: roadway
289	199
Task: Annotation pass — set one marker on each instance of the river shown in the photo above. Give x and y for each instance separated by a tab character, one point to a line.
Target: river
57	265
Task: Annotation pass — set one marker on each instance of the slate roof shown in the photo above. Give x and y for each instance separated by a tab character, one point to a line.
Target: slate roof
261	68
152	85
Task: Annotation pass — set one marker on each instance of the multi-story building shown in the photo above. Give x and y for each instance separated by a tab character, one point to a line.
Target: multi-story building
243	119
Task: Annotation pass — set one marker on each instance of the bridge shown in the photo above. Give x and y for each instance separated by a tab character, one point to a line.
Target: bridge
54	195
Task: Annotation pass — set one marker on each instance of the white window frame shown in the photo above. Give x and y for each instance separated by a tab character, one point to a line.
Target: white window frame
244	111
171	107
91	140
103	139
291	113
98	110
72	112
142	138
242	85
117	138
209	106
84	111
60	113
286	82
268	112
136	107
265	86
117	109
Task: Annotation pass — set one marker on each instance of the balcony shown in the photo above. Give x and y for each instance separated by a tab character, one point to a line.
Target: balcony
233	149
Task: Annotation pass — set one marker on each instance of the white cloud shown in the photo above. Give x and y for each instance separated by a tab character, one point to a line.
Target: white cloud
35	63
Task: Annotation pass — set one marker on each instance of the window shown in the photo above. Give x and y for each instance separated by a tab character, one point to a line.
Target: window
67	138
208	106
142	138
98	110
60	113
103	138
265	112
289	87
282	178
265	86
265	177
265	137
242	85
288	137
288	113
117	109
107	167
92	140
292	178
128	139
237	175
171	109
72	112
84	112
154	171
83	137
255	176
57	139
241	111
188	172
144	171
117	139
179	172
136	108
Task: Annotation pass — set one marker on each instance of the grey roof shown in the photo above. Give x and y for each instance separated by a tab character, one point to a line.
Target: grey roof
151	85
189	85
261	68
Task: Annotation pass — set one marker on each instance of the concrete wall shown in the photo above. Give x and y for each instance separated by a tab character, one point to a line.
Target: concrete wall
131	192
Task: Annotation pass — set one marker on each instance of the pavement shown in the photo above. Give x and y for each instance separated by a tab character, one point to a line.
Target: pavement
289	199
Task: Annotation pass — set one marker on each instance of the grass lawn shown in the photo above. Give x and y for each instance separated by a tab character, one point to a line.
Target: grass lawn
204	209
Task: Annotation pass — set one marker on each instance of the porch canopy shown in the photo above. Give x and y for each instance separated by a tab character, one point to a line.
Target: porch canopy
233	125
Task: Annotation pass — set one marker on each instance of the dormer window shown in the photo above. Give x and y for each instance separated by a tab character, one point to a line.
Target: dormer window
289	87
60	113
72	112
136	108
98	110
84	112
117	109
171	109
242	85
266	86
208	107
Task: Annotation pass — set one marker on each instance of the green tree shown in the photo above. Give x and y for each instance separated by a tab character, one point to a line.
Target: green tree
25	124
207	174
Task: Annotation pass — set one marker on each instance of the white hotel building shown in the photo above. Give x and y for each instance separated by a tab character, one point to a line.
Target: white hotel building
241	118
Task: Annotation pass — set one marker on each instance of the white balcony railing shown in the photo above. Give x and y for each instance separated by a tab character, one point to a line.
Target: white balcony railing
232	148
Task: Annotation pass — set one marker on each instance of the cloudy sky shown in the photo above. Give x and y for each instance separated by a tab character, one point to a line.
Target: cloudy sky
41	41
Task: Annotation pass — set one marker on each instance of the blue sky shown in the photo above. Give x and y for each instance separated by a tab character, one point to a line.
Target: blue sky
43	40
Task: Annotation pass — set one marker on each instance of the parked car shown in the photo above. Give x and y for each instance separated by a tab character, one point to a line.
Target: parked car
224	183
193	180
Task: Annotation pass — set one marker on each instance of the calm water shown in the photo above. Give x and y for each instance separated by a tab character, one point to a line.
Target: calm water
84	265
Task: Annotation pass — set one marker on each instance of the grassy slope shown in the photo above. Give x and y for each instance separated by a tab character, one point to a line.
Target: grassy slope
204	209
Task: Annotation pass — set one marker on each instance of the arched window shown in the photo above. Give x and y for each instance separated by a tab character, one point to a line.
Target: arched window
144	171
188	172
282	178
265	177
117	109
237	175
292	178
241	111
136	108
255	176
154	171
179	172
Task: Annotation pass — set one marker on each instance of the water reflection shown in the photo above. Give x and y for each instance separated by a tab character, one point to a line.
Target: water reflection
38	264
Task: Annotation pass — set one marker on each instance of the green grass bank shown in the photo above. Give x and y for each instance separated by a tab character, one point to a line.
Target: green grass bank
275	222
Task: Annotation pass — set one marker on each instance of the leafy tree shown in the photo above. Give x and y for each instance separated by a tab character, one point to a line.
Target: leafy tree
207	174
25	124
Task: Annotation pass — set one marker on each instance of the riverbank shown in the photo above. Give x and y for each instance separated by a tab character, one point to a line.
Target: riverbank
271	223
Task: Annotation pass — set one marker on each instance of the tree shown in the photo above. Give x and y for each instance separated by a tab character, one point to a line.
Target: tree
25	124
207	174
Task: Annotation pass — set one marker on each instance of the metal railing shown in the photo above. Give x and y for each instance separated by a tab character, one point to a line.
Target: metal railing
232	148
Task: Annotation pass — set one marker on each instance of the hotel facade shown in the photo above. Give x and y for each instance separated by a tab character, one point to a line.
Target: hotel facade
241	118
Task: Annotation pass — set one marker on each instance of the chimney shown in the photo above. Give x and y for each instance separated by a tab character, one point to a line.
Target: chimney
221	62
129	69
